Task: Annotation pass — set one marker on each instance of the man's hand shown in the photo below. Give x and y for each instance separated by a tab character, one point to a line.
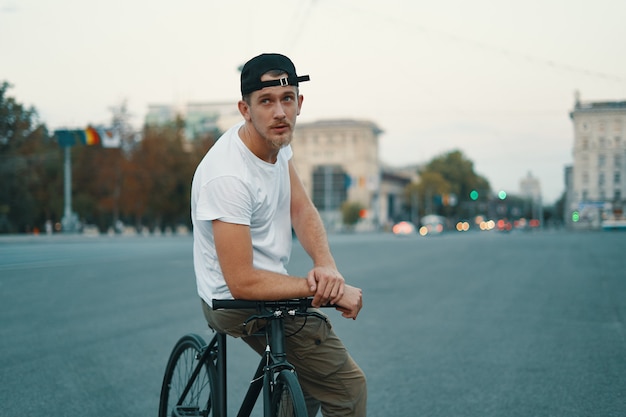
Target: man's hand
327	284
351	302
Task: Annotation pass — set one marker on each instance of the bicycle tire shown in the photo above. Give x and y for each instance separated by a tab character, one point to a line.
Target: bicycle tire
287	398
201	397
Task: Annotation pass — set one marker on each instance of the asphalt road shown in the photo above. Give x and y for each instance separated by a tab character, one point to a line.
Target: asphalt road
476	324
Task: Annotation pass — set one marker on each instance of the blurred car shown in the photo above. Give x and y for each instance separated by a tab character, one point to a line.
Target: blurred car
462	226
403	228
503	225
432	225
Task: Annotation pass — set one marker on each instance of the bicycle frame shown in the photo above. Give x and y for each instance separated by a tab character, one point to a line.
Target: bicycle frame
273	360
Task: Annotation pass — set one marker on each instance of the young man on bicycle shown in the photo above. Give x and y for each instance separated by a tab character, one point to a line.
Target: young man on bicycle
246	198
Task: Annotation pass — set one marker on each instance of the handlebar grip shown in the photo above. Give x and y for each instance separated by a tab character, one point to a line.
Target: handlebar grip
300	303
236	304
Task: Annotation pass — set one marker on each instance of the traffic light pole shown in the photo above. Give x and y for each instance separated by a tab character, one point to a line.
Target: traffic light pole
69	220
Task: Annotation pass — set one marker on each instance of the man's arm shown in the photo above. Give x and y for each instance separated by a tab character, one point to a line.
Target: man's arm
234	251
328	283
233	244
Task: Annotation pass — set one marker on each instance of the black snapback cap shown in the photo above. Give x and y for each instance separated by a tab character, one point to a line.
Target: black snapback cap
253	70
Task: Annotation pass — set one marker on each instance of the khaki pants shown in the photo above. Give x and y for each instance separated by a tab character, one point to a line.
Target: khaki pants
327	373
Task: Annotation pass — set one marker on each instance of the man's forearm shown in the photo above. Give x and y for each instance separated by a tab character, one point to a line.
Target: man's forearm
310	231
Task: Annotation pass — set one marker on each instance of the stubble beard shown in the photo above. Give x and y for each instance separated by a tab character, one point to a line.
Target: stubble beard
278	142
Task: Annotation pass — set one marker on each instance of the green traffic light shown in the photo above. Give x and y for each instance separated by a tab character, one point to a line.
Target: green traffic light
502	195
474	195
575	216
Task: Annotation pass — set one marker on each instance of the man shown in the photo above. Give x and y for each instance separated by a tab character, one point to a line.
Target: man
246	197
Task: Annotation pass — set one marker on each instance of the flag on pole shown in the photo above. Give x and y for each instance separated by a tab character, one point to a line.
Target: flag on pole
91	136
110	138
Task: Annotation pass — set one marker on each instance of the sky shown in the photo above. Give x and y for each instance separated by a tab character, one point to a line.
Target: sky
495	79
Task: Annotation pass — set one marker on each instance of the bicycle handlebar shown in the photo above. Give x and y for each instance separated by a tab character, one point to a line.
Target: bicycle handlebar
297	303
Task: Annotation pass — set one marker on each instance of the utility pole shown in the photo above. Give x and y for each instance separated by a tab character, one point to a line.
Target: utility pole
66	140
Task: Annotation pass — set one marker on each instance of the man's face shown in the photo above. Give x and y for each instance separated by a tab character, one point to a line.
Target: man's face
273	111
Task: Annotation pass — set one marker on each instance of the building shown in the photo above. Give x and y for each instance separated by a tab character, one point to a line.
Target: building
530	191
530	187
338	161
201	118
393	204
596	183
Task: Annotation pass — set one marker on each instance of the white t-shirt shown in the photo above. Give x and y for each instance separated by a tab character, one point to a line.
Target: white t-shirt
233	185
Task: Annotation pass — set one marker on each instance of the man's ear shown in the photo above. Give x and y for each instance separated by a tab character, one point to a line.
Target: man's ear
300	100
244	109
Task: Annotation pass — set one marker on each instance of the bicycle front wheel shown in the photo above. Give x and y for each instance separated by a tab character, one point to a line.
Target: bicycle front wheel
188	385
287	398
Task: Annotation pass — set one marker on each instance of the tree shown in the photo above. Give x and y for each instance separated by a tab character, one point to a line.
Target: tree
351	212
459	173
445	175
30	166
158	187
430	187
101	173
96	184
145	181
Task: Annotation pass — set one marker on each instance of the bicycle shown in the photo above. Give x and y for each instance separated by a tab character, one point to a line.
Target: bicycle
194	383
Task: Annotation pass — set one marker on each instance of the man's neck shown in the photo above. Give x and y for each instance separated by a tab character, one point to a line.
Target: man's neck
257	145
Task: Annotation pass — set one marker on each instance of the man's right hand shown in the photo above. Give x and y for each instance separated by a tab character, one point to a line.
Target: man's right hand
351	303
